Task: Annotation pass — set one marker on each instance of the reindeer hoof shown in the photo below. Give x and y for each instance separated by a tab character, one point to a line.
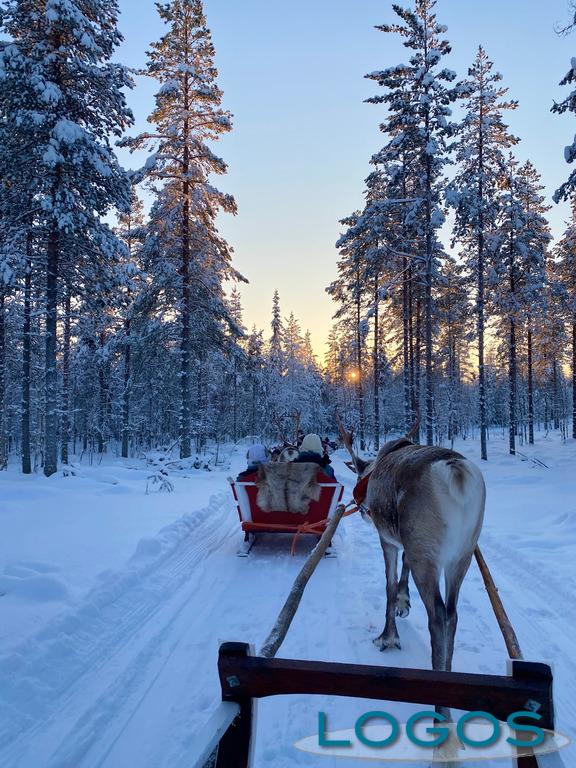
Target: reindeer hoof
387	643
403	606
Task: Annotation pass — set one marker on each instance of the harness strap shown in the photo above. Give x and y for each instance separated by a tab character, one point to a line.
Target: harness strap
361	489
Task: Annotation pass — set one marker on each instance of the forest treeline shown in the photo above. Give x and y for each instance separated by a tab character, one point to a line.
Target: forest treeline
448	274
121	329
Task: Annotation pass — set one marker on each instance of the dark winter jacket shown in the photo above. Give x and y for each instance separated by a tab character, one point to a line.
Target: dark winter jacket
315	458
252	469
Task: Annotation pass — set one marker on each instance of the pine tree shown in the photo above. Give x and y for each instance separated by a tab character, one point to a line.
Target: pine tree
418	95
255	365
520	244
136	299
65	108
188	114
481	141
564	276
277	338
568	188
350	292
534	285
237	355
454	333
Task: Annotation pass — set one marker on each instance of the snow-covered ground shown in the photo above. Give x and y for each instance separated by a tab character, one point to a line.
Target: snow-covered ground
113	603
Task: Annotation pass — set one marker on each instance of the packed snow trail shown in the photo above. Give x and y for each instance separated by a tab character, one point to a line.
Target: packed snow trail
129	676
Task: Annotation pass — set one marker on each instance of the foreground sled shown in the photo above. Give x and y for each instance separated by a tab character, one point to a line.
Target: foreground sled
285	498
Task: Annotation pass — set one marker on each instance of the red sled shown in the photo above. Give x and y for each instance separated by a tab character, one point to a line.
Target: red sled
255	520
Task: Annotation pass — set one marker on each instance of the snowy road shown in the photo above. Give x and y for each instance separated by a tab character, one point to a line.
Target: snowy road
129	675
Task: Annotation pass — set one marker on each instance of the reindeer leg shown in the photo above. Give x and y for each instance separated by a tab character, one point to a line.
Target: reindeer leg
403	599
454	575
389	637
426	575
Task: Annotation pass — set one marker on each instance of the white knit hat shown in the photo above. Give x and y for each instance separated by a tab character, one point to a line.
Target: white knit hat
257	454
312	444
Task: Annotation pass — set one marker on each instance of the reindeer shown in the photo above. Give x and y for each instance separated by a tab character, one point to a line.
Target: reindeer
429	502
288	454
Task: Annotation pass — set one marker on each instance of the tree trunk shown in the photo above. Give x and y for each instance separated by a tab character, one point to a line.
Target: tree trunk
574	377
66	382
480	300
512	384
185	337
50	371
235	408
27	359
417	343
406	360
253	408
428	342
530	386
556	407
102	397
3	439
126	392
359	381
376	366
428	328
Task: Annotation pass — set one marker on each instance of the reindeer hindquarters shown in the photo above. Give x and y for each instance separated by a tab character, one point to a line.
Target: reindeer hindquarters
389	637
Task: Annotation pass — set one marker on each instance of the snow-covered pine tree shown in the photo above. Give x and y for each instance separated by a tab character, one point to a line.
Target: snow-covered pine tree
481	140
63	96
135	300
381	235
418	96
255	370
291	400
391	192
392	263
187	117
350	292
314	416
237	358
277	337
568	104
453	336
274	378
564	277
3	367
535	291
518	275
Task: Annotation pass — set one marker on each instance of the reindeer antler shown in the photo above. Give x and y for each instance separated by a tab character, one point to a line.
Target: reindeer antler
414	428
281	433
347	438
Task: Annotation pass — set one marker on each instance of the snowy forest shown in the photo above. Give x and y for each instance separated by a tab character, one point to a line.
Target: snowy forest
121	318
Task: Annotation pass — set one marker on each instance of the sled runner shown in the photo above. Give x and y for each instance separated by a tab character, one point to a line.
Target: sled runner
285	498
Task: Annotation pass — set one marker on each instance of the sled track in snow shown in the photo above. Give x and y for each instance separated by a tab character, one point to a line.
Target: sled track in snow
92	659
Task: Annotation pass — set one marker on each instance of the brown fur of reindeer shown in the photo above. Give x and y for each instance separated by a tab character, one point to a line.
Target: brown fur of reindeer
429	502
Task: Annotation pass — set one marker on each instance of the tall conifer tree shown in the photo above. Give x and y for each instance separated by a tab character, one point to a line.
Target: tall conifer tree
187	117
481	141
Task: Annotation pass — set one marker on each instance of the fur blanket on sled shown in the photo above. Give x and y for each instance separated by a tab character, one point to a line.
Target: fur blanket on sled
287	487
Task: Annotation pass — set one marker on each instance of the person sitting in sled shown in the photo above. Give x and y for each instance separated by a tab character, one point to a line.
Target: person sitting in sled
257	455
311	451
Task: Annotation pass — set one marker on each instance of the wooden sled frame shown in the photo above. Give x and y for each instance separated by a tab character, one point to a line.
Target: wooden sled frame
244	678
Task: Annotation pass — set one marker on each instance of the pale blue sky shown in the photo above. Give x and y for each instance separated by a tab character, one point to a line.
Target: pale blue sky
292	75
